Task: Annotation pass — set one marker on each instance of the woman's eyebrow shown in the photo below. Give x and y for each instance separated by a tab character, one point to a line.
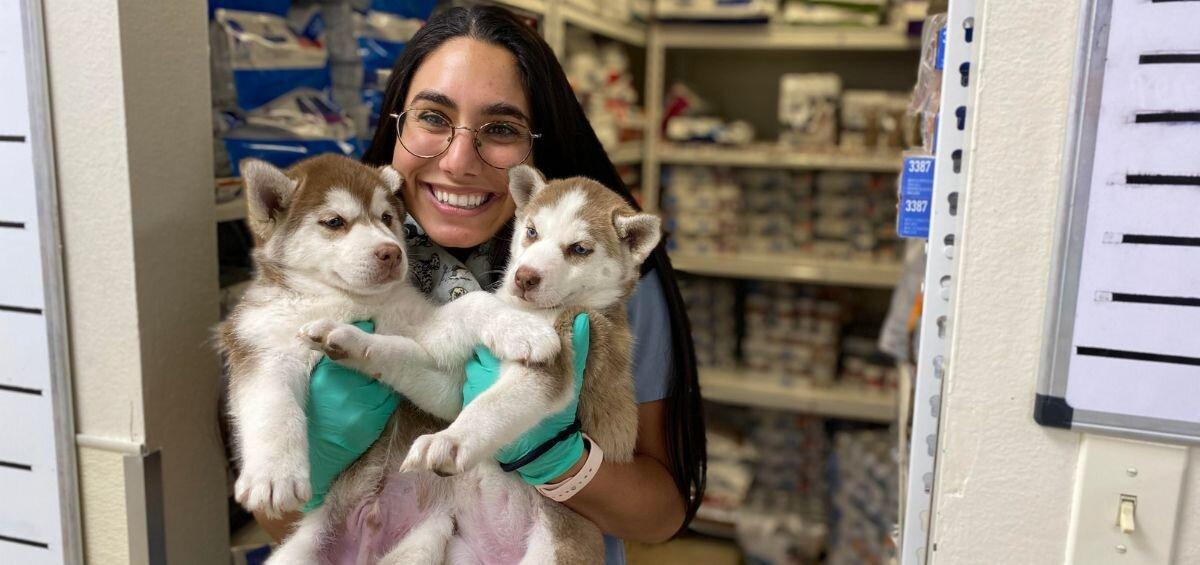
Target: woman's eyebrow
505	109
435	97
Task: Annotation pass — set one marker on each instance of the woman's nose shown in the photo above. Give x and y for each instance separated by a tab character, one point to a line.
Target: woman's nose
461	159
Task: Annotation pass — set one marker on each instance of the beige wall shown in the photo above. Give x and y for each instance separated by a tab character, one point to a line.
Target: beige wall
1004	487
130	104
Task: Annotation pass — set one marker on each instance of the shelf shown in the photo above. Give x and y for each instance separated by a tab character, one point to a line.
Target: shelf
774	156
791	268
784	37
232	211
837	401
627	153
537	7
631	32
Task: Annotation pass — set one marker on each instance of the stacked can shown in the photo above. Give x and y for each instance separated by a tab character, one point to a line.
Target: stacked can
710	307
786	513
855	216
793	450
864	503
778	207
866	373
703	207
791	334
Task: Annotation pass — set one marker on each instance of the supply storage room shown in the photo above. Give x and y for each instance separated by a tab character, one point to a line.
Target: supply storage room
779	197
810	162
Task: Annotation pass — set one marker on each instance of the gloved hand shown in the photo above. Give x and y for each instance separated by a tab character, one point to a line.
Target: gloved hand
347	411
482	371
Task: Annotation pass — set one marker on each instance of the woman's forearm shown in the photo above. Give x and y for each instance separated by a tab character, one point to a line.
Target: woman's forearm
637	500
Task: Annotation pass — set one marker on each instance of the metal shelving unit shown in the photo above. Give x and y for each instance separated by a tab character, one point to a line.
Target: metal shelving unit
791	268
838	401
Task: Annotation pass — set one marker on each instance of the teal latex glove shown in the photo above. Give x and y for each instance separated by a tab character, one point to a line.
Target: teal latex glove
482	371
347	412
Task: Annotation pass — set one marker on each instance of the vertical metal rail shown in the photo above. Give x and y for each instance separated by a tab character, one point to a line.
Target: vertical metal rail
933	357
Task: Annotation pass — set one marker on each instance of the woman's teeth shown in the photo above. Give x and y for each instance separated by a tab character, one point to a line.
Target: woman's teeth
465	201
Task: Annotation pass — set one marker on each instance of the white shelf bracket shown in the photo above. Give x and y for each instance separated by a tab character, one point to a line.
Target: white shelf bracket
933	359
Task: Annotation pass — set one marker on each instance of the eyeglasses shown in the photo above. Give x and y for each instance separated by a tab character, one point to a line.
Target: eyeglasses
429	133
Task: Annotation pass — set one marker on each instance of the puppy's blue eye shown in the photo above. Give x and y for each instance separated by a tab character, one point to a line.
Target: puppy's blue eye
579	249
531	233
334	223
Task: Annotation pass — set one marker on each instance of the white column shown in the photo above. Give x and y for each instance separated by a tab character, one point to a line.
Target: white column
129	85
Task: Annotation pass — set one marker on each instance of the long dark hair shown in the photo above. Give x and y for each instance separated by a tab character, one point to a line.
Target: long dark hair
568	148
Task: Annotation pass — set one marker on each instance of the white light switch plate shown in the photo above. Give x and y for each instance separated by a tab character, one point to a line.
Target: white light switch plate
1109	468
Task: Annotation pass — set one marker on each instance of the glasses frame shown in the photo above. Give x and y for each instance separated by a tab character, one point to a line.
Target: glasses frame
399	117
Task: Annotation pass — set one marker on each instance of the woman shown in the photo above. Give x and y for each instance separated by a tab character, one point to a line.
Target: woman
477	66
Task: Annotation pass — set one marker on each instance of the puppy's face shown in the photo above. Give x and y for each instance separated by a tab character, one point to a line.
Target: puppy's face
330	219
575	242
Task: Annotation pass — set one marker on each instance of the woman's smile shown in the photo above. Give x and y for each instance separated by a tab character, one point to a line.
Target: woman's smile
459	201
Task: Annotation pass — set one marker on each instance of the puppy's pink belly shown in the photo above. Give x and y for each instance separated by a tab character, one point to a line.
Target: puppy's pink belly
377	523
495	527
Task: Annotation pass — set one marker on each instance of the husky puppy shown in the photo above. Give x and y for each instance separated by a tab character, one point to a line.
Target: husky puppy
577	247
330	247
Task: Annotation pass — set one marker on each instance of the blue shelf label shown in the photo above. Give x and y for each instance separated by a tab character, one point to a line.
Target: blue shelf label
916	195
940	61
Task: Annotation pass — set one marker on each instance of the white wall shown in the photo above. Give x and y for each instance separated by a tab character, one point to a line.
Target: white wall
1004	487
130	104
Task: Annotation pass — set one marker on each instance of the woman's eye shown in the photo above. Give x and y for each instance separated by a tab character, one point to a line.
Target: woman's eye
531	233
433	119
579	249
334	223
387	219
501	130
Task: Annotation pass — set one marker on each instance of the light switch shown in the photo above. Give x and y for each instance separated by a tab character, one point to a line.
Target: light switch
1126	502
1125	514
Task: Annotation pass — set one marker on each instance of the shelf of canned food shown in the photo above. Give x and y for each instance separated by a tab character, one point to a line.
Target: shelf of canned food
742	387
791	268
784	37
777	156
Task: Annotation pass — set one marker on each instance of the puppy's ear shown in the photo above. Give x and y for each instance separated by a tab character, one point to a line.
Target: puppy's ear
392	179
269	192
639	233
524	182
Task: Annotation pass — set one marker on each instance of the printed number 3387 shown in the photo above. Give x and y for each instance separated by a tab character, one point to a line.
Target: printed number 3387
919	165
915	205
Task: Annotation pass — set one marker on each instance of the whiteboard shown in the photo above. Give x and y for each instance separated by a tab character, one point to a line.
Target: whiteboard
1122	353
39	509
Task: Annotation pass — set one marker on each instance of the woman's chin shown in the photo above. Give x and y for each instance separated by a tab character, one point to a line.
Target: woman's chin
456	234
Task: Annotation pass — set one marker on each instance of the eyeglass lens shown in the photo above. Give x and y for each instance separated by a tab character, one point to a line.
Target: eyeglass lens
426	133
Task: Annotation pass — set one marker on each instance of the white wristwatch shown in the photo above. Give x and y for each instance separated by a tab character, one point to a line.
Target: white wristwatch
562	491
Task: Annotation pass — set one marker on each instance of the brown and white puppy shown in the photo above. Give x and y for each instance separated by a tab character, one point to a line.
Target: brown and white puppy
330	248
577	247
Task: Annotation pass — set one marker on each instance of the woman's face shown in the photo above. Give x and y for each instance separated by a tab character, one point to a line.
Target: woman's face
472	83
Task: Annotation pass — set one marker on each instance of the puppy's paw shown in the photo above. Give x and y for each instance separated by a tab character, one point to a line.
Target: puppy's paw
273	491
336	340
522	337
442	453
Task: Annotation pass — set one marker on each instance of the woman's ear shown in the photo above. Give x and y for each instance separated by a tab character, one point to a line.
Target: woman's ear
269	192
639	233
391	178
524	182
